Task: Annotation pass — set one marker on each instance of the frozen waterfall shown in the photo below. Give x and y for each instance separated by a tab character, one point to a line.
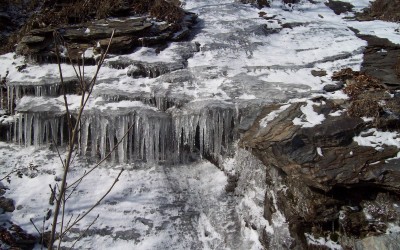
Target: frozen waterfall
138	134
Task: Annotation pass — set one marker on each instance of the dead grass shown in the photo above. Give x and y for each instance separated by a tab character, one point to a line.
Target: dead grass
161	9
397	68
364	108
357	82
361	83
344	74
57	13
387	10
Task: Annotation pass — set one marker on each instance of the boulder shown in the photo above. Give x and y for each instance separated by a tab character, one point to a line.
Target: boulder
129	33
7	205
318	175
333	87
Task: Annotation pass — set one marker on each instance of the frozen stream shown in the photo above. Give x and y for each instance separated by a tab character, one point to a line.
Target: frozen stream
194	100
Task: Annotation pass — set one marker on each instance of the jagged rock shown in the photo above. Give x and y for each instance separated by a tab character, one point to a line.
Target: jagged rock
258	3
294	150
339	7
14	237
382	242
152	70
333	87
32	39
381	60
318	73
7	204
130	32
313	173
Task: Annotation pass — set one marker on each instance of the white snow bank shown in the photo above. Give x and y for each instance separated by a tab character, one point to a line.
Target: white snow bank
376	139
379	28
310	118
271	116
322	242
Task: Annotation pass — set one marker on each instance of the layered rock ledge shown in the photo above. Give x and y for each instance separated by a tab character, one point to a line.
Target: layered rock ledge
320	173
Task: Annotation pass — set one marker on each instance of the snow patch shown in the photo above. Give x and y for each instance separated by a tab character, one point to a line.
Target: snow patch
376	139
271	116
310	118
322	242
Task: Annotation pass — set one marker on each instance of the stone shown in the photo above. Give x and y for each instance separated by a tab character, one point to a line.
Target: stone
339	7
130	33
382	242
322	170
32	39
333	87
7	204
318	73
380	58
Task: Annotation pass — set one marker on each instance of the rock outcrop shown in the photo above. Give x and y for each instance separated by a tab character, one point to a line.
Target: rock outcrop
328	184
91	39
79	29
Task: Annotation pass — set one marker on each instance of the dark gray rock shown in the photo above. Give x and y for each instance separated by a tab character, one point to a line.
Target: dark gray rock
130	33
7	204
323	171
381	60
333	87
339	7
318	73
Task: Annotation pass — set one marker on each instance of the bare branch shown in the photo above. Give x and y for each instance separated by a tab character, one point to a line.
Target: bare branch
96	204
104	159
83	233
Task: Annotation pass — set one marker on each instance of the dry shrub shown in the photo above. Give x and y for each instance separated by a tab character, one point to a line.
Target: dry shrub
160	9
364	108
56	13
344	74
387	10
397	67
361	83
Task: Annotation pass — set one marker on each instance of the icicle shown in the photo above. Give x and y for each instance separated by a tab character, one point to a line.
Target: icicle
84	134
103	137
120	132
36	131
137	139
28	129
62	132
20	129
111	137
94	133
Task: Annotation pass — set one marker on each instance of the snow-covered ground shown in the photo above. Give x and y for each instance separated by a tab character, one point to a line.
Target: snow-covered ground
243	57
153	207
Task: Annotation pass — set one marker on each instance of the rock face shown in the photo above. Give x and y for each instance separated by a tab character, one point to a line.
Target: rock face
323	171
381	60
91	38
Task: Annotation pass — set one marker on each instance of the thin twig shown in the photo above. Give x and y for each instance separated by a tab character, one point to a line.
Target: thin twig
58	153
83	233
33	223
74	189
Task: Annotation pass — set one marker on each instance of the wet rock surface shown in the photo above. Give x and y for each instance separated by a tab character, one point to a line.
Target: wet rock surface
92	38
325	178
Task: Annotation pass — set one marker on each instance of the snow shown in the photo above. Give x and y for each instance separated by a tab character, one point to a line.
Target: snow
337	113
157	207
319	151
310	118
322	242
376	139
271	116
378	28
242	58
359	5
